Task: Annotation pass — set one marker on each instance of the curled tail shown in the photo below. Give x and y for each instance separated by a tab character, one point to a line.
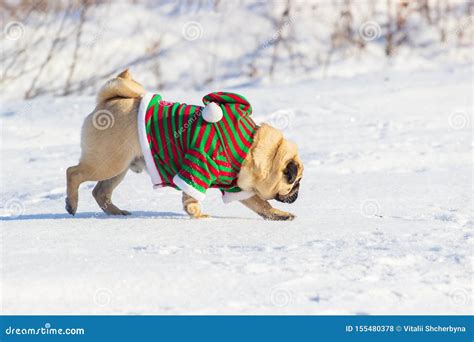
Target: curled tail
122	86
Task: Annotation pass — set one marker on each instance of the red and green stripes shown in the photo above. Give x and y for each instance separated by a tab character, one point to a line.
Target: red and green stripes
202	154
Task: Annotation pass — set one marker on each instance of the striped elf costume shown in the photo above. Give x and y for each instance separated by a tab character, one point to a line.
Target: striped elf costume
194	148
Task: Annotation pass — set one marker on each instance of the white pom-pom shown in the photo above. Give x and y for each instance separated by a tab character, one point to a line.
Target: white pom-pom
212	112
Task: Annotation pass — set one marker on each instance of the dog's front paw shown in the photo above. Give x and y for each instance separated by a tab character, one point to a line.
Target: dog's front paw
278	215
194	210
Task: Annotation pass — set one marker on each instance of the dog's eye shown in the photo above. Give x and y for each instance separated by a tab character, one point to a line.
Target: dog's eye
290	172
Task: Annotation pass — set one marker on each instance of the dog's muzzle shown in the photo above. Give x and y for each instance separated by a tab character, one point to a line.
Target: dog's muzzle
291	196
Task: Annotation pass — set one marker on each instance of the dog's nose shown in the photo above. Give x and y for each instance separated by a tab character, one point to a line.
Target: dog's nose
291	197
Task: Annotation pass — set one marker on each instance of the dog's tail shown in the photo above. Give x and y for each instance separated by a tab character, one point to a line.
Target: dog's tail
123	86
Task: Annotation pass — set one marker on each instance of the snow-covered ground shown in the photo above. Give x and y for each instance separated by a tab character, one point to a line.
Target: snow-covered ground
384	217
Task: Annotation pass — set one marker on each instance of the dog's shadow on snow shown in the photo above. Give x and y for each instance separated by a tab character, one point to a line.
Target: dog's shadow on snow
102	216
96	215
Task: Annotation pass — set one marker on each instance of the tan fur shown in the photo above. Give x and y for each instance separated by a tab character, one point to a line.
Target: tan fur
262	170
191	207
107	150
108	153
121	86
265	210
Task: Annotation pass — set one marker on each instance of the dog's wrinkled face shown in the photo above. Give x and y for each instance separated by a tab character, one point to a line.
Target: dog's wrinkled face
283	175
291	173
274	170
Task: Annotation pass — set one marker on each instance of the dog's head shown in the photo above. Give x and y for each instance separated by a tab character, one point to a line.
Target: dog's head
272	169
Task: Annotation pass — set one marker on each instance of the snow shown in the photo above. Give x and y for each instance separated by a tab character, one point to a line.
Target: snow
384	217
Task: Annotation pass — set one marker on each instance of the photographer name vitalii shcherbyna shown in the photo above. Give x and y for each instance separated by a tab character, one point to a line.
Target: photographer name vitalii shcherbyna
431	328
406	328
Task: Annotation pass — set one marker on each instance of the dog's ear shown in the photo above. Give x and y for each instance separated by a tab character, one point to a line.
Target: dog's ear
267	141
291	172
125	74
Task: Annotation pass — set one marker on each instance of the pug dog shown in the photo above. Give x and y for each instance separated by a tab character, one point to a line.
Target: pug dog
115	138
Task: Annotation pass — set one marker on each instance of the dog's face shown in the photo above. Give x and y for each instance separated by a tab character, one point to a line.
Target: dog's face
273	169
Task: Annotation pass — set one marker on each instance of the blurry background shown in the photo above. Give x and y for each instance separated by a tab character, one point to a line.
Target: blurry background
71	47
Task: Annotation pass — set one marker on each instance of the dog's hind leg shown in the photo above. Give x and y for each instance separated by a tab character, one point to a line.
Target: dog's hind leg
75	176
103	194
90	169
